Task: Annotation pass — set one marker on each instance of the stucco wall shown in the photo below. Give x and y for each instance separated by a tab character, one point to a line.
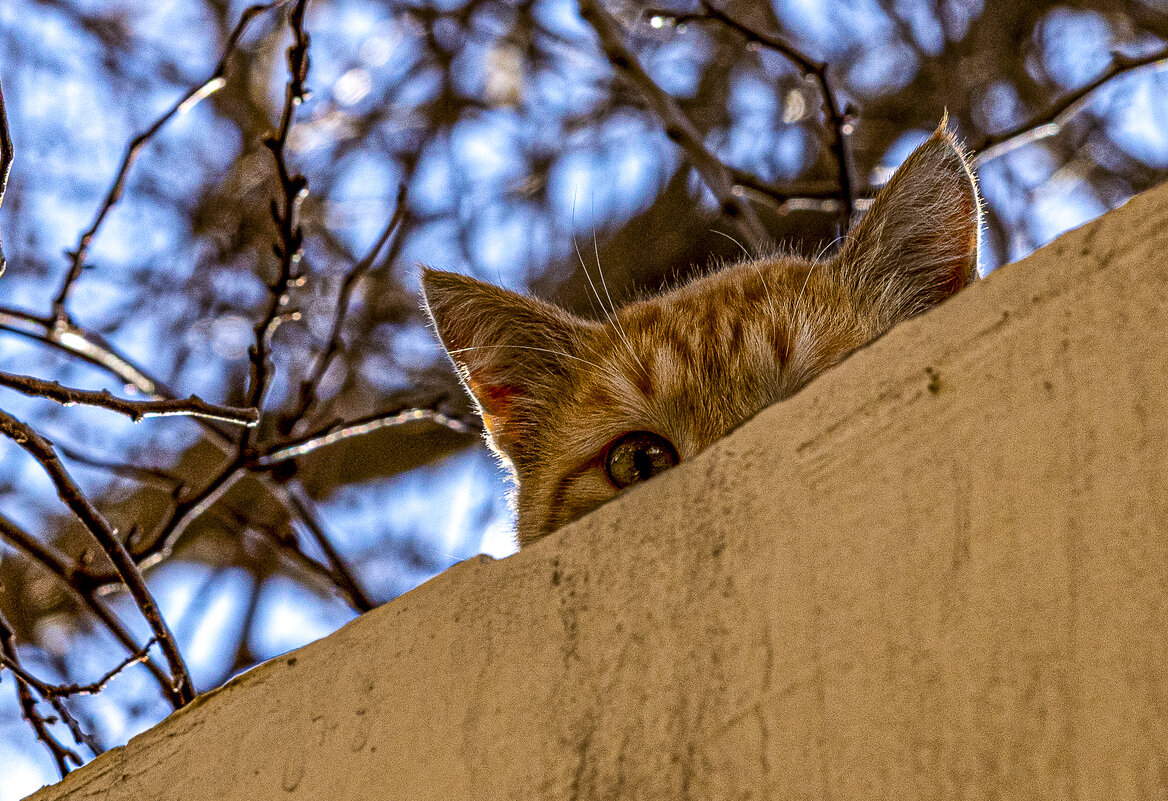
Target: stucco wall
939	572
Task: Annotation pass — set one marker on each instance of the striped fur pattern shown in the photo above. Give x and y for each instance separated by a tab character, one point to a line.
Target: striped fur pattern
557	391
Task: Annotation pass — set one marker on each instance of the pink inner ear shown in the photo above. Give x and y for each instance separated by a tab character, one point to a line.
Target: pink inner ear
497	402
496	399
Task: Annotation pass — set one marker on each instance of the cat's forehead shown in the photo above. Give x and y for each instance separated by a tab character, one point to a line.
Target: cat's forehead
693	362
726	288
717	305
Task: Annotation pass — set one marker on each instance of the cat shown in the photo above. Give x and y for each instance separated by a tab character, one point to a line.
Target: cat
580	410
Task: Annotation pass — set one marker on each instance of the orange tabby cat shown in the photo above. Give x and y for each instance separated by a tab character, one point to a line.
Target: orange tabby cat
581	409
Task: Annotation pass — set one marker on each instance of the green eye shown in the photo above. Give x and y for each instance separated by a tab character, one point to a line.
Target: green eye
638	456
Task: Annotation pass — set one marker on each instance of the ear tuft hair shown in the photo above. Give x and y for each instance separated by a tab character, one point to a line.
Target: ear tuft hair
918	243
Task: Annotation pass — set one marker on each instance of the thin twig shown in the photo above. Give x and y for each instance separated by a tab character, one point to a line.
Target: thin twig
341	430
211	84
82	344
40	726
185	512
81	585
55	695
39	449
310	386
286	216
341	573
288	250
678	127
837	122
48	691
285	543
1051	120
136	410
7	156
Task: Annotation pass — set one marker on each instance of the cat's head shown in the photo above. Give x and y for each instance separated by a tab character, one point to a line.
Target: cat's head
582	409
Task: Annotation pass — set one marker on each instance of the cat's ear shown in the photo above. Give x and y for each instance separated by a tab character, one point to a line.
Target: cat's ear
510	350
918	243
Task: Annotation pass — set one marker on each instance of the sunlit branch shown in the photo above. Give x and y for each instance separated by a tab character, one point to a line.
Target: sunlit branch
186	512
837	118
336	432
204	88
40	450
136	410
7	155
80	343
1051	120
810	196
678	127
47	690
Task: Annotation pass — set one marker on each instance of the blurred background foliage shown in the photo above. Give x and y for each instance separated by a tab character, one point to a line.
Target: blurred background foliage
515	139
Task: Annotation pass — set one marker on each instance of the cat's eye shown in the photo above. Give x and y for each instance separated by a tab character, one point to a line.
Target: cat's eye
638	457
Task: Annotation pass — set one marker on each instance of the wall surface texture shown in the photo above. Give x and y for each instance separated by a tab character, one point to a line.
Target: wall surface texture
940	572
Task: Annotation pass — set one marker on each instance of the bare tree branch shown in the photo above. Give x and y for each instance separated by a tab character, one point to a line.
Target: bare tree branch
55	695
341	430
82	344
49	691
837	123
212	83
81	585
186	512
136	410
309	387
40	725
285	544
286	216
40	450
1051	120
678	127
340	571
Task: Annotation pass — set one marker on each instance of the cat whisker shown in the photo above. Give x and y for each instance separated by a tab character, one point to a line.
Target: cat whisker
615	316
588	275
580	257
612	320
735	241
799	298
452	559
530	347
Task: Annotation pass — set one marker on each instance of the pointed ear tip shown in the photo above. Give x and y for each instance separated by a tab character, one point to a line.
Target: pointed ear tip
945	152
946	139
435	282
429	275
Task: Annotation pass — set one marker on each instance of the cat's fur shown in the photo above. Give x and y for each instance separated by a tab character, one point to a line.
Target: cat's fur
555	391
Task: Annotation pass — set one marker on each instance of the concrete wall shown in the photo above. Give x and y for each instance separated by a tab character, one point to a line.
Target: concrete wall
940	572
